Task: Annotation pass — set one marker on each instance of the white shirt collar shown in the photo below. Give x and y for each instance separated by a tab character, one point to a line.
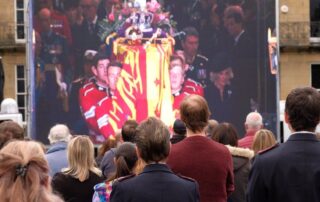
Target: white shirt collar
238	37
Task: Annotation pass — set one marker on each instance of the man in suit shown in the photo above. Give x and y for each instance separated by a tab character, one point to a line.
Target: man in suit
157	182
208	162
243	59
290	171
87	32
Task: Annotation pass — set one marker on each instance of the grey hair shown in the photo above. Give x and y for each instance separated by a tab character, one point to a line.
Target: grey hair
59	133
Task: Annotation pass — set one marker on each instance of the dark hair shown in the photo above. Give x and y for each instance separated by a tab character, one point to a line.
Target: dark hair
189	31
128	131
99	56
234	12
225	133
125	160
303	108
212	124
194	112
153	140
106	146
10	130
179	127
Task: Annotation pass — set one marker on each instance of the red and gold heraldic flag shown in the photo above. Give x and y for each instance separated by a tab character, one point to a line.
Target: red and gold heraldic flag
144	85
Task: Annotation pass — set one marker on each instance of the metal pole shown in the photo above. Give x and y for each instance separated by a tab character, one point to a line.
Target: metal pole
278	73
30	71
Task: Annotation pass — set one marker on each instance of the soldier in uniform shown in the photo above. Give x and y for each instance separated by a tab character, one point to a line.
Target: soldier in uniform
156	182
290	171
197	63
111	112
180	87
93	92
53	55
75	119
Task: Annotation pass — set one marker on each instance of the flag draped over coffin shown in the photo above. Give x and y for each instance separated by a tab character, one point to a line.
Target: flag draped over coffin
144	84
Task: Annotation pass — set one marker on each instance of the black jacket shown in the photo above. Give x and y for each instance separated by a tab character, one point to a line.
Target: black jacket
289	172
156	183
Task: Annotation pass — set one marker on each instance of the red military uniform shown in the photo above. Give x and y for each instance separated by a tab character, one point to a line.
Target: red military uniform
111	113
177	99
89	96
60	24
192	87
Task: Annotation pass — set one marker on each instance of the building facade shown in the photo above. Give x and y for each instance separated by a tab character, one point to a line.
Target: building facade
13	52
299	27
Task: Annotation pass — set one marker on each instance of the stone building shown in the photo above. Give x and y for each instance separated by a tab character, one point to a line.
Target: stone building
299	27
13	50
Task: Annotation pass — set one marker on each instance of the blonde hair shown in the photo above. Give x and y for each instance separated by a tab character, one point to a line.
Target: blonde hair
140	164
24	173
263	139
81	158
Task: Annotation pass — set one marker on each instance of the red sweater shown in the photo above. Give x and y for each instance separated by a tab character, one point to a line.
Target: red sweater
247	140
208	162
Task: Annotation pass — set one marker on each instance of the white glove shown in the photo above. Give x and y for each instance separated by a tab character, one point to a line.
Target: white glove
63	86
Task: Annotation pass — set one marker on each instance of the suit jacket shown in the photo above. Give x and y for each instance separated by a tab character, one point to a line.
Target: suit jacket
245	82
156	183
289	172
85	39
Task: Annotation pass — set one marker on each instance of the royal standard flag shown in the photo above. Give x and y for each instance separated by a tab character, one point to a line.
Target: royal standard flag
144	84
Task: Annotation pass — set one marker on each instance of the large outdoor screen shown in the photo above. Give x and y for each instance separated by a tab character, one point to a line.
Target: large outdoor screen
97	63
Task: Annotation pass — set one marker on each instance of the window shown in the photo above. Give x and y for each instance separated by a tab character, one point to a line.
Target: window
315	76
19	21
21	92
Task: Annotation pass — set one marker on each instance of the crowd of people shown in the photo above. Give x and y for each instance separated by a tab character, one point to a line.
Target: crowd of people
201	160
77	73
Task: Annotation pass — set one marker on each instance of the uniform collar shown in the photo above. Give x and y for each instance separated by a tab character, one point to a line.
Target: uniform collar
103	88
156	167
177	93
236	39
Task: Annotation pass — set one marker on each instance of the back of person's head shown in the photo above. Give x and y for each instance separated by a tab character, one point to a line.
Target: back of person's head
194	112
10	130
81	158
59	133
24	173
254	121
125	159
302	109
128	131
109	143
153	140
263	139
212	124
225	133
179	127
